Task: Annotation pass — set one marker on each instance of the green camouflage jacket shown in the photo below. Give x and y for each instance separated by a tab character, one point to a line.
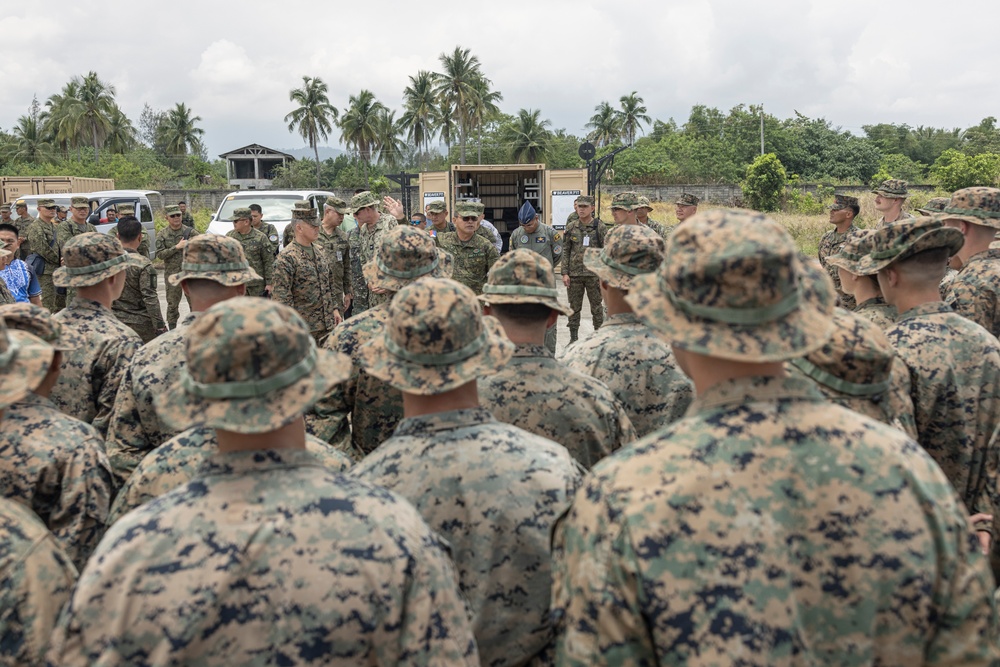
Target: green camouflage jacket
975	292
473	258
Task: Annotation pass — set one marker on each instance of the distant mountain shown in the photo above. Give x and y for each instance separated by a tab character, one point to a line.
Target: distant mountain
306	152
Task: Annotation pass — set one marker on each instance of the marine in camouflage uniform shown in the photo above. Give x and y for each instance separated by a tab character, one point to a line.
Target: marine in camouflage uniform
102	346
186	218
625	354
486	229
304	279
503	486
437	214
246	543
375	407
41	236
269	230
844	263
888	194
473	254
768	524
36	578
364	240
842	213
258	251
538	237
335	244
23	222
954	364
533	391
139	304
143	244
642	217
576	239
67	228
170	244
975	291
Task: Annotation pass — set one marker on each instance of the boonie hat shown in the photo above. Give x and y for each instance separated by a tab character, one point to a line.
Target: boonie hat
523	276
337	204
892	188
934	206
91	257
732	286
978	206
79	202
24	363
687	200
628	201
436	339
363	200
629	251
841	202
252	367
404	255
436	206
906	238
37	321
855	248
644	203
214	257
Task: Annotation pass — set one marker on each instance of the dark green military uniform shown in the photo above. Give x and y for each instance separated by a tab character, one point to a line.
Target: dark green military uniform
260	256
143	244
42	238
187	219
22	223
167	250
338	253
271	232
473	258
139	306
576	239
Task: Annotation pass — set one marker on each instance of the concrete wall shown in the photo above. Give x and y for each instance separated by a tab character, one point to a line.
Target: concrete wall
730	194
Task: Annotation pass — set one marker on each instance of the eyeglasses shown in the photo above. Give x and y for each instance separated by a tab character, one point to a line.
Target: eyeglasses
174	215
416	222
49	208
470	218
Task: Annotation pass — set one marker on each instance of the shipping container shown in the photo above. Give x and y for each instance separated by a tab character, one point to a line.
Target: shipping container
14	187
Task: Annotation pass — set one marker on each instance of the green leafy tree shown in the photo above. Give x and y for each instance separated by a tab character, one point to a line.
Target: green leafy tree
93	108
30	144
632	116
389	144
983	138
484	108
359	125
419	111
181	132
121	137
764	185
528	137
60	119
458	87
605	125
954	170
314	116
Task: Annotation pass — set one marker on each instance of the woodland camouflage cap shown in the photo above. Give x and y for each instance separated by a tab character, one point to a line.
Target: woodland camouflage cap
46	202
732	286
466	208
843	201
79	202
584	199
436	206
906	238
363	200
978	206
4	208
629	250
24	363
90	258
479	206
523	276
687	200
644	202
240	214
303	210
628	201
252	366
404	255
436	339
171	210
37	321
126	209
934	206
214	257
337	204
893	188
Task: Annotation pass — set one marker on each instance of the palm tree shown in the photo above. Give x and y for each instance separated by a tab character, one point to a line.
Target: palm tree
29	141
389	143
359	124
95	102
632	115
419	107
314	117
122	136
528	136
483	108
444	121
604	125
457	87
181	132
59	120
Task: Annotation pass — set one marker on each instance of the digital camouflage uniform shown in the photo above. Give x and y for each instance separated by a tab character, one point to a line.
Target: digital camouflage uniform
625	354
850	256
23	222
102	345
473	258
260	255
831	244
877	311
170	254
41	236
769	526
663	231
143	244
139	304
304	280
576	239
502	486
177	461
547	242
36	578
66	230
135	426
271	232
975	291
187	219
364	241
338	253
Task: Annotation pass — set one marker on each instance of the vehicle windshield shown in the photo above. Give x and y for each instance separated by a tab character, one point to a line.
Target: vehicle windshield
274	207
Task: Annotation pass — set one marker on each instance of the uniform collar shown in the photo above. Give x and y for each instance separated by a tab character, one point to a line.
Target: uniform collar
754	390
443	421
932	308
262	460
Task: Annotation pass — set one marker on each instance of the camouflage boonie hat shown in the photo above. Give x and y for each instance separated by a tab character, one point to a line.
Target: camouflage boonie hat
303	210
977	206
687	200
523	276
90	258
79	202
893	188
172	210
240	214
214	257
733	286
436	206
628	201
584	199
252	367
841	202
644	203
46	203
466	208
906	238
37	321
337	204
934	206
404	255
629	251
24	363
363	200
855	248
436	339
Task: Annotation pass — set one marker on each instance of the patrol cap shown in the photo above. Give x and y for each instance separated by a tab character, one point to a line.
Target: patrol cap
90	258
906	238
46	203
687	200
20	203
172	210
24	363
978	206
303	210
37	321
126	209
436	206
337	204
523	276
892	188
644	203
628	201
841	202
241	214
857	245
527	213
4	208
587	200
363	200
436	339
732	286
466	208
405	254
629	251
79	202
934	206
252	366
214	257
478	206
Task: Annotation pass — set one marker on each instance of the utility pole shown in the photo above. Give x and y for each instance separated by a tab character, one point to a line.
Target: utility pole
762	129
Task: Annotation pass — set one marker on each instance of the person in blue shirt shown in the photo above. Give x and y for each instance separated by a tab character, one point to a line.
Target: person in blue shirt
19	277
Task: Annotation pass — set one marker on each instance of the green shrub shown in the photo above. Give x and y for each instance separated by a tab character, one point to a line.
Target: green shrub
764	186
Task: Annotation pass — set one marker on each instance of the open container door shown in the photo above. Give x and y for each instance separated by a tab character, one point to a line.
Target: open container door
562	187
435	186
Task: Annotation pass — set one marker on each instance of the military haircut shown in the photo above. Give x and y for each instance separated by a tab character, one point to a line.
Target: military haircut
855	208
7	227
256	207
209	290
925	266
129	229
521	313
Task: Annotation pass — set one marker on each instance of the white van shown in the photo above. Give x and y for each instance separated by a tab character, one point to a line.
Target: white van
276	206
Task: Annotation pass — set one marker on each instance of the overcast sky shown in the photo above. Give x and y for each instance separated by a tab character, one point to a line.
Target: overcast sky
853	62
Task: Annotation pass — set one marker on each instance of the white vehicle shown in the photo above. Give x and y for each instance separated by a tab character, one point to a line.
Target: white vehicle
276	206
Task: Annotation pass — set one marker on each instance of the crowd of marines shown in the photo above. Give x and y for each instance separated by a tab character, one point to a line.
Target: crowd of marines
361	449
